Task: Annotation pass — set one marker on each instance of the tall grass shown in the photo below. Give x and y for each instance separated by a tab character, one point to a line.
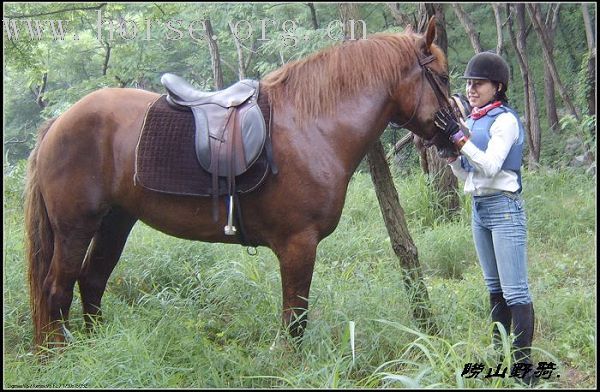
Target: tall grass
181	314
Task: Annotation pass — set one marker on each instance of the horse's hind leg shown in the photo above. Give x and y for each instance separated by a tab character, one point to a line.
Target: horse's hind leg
69	251
102	257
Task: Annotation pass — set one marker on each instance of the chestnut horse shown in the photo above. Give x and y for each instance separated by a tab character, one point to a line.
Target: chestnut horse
327	110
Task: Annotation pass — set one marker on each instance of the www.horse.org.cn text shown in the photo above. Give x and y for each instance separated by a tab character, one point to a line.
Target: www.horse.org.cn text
261	30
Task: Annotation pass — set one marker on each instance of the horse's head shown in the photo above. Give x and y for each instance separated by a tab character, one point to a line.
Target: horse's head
425	92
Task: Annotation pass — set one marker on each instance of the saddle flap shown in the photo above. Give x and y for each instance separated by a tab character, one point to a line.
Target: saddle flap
202	139
251	133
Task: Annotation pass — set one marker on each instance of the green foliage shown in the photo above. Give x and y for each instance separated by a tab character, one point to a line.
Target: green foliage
14	183
570	130
585	83
585	128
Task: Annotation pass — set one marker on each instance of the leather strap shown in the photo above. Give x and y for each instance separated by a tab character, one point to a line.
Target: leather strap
426	60
231	155
269	146
215	163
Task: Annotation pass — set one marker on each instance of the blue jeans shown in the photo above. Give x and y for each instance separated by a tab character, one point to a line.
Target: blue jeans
500	234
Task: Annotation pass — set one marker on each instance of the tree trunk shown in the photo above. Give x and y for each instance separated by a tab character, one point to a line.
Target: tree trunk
469	28
106	57
534	118
215	58
240	53
399	17
402	243
441	37
499	36
589	33
549	90
39	90
532	125
393	216
349	12
313	15
537	26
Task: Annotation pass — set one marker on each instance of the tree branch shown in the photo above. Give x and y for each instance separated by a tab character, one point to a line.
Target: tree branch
405	141
97	7
537	25
106	57
160	9
313	15
238	48
468	25
500	39
398	16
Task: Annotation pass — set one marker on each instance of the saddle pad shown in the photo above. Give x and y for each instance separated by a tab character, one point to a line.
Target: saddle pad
166	158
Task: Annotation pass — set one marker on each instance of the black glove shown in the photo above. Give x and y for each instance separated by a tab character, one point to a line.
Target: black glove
446	122
449	125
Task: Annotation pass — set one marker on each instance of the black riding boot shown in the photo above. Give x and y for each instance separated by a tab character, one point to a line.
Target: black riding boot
500	313
523	319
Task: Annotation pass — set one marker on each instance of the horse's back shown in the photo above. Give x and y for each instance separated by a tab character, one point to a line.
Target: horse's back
103	110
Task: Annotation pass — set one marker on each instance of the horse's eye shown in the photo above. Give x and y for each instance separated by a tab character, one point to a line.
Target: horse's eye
444	78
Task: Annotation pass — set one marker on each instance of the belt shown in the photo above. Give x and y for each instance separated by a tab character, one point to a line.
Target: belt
512	195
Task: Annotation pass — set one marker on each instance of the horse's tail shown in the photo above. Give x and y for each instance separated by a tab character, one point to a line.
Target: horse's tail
39	240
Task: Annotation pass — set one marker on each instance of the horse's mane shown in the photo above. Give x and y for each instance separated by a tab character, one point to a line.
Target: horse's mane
316	84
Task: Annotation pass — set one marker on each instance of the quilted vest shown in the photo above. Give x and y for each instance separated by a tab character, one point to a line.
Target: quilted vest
480	136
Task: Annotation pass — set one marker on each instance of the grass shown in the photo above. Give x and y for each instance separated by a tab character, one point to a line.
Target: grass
183	314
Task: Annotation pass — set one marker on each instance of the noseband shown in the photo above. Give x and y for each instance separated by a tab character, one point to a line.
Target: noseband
433	82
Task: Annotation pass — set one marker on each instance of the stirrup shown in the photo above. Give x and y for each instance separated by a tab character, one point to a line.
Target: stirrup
230	228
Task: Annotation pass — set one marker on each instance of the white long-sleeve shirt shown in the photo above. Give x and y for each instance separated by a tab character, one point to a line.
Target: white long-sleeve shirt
487	176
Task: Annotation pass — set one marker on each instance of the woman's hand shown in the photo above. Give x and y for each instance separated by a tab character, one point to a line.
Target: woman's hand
450	127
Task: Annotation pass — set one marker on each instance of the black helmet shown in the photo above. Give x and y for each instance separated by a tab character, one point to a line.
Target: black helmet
487	65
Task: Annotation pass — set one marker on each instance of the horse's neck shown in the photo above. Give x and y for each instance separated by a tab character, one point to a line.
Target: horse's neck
357	124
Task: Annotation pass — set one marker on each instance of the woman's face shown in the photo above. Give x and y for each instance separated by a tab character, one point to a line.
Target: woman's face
480	92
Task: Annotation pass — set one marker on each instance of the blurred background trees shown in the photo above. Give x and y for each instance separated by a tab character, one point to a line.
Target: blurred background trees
551	49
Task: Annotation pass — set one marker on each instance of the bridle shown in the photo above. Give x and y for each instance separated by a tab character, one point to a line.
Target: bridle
433	82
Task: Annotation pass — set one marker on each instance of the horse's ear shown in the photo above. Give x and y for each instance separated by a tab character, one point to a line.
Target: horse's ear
430	36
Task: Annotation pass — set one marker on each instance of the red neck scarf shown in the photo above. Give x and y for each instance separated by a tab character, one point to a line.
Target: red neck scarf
477	113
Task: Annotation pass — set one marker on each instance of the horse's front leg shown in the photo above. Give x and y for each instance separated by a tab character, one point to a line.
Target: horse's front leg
296	261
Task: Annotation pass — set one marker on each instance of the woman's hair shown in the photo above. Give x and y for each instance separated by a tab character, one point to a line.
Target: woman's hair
500	93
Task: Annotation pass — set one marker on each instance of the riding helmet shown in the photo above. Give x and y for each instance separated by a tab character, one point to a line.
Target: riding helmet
487	65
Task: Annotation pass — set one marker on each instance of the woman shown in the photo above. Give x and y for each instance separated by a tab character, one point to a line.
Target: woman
490	164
